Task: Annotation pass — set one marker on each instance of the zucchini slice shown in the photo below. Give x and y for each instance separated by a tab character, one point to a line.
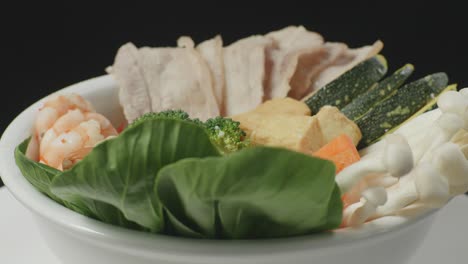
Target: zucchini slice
349	85
399	107
433	103
428	107
378	92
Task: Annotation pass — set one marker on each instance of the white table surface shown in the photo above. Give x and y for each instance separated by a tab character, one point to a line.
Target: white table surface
20	241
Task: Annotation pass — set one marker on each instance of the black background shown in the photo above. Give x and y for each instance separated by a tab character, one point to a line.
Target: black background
47	48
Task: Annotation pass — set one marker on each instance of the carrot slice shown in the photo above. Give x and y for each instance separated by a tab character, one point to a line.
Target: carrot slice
341	151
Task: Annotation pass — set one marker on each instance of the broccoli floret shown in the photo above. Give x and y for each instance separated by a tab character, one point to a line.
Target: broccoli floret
170	114
226	134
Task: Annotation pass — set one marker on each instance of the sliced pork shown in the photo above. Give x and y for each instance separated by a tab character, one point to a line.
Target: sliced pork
179	78
157	79
244	66
295	53
309	68
212	52
133	86
208	80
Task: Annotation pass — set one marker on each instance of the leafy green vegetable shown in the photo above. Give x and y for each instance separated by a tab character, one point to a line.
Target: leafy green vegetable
254	193
38	174
121	171
41	177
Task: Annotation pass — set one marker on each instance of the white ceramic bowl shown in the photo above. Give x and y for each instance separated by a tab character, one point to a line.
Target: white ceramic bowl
77	239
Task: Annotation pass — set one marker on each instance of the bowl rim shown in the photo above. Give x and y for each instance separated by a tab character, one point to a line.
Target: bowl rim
79	225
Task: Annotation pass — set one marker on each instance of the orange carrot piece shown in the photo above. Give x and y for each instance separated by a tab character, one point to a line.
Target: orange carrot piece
340	150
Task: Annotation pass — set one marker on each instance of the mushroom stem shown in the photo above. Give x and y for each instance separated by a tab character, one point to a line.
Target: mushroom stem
450	159
398	198
358	213
461	139
452	102
395	159
369	181
351	175
427	186
445	127
376	224
464	93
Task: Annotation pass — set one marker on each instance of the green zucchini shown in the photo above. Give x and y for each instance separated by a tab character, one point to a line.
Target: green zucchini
433	103
399	107
349	85
429	106
378	92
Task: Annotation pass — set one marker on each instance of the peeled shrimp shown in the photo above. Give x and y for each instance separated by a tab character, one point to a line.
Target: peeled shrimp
67	129
71	146
72	119
55	107
61	125
107	129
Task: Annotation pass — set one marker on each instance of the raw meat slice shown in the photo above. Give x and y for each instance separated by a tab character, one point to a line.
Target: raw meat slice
244	65
133	87
157	79
294	55
178	78
310	67
212	52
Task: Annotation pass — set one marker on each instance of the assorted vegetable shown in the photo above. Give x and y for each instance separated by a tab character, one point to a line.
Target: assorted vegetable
129	176
379	107
277	167
436	168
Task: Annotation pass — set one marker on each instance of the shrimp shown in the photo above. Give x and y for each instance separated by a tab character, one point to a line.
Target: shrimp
54	108
63	124
67	129
107	129
71	146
